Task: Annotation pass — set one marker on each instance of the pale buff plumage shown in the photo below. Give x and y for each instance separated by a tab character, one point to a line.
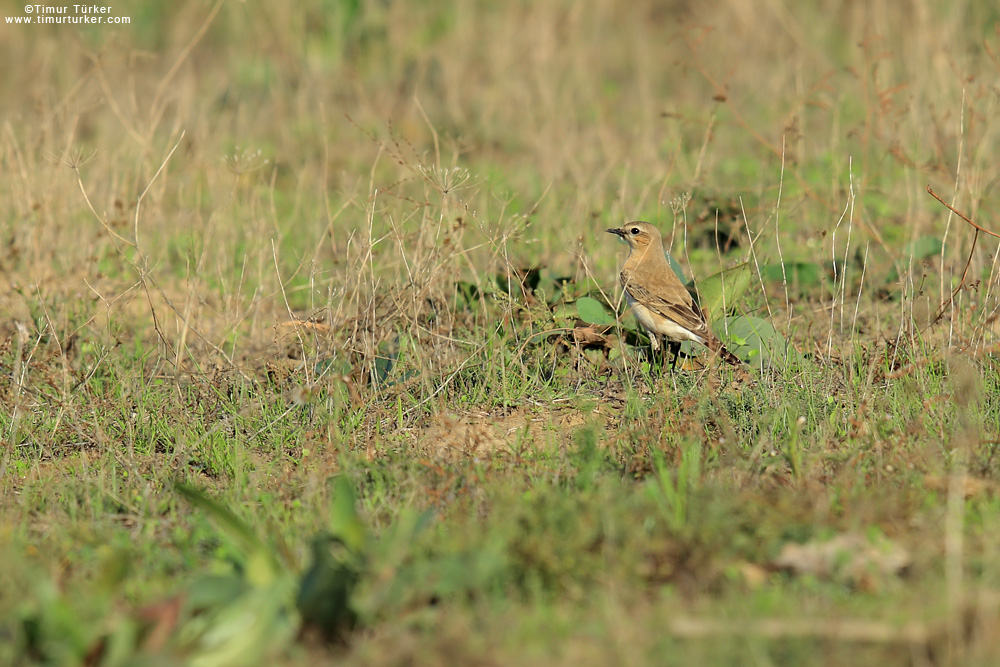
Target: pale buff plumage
658	298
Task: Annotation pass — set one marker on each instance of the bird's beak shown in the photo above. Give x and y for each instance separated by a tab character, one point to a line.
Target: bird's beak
616	232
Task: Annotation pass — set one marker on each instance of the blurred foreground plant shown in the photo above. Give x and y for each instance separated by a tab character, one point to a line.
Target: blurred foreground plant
254	612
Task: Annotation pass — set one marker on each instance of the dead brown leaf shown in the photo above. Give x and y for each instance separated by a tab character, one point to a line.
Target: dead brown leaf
589	337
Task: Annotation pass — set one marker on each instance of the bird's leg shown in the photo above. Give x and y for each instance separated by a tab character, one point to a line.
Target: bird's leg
675	347
654	345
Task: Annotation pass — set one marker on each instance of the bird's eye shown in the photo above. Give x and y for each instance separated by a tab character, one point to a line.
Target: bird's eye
634	231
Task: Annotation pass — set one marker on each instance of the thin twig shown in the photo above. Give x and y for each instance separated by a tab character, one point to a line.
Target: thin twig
960	214
951	299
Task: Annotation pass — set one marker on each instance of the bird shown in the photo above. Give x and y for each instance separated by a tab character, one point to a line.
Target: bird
659	300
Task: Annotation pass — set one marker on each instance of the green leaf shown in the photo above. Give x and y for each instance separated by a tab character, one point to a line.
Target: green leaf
325	595
234	527
755	341
720	292
261	562
466	295
564	315
214	590
345	524
383	367
516	282
801	274
585	287
253	627
592	311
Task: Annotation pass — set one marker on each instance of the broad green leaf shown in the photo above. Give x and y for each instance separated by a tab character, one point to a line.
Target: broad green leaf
215	590
720	292
593	311
755	341
383	367
247	631
564	314
345	524
262	567
802	274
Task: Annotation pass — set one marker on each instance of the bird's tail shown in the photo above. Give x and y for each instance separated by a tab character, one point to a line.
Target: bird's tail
715	345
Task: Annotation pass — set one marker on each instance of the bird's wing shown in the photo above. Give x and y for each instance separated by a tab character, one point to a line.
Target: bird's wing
671	301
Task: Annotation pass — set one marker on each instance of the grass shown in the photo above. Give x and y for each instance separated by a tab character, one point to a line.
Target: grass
292	366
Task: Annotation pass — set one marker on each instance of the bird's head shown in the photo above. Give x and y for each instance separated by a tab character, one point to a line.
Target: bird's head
638	235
